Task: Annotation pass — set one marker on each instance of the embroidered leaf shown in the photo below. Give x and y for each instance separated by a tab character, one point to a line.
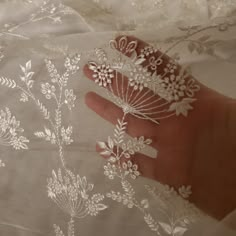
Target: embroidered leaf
152	224
40	134
24	98
110	143
185	191
101	207
48	135
140	61
167	228
128	188
105	153
179	231
102	145
7	82
44	110
101	54
119	131
182	107
58	118
28	66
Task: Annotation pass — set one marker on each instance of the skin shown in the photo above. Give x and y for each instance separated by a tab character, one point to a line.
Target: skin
199	150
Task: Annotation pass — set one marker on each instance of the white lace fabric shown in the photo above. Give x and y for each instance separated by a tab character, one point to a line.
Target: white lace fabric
53	182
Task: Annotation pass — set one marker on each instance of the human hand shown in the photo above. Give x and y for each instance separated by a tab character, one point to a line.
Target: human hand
199	150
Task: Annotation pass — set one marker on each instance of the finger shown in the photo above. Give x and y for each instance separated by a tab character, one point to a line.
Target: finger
152	168
141	100
110	112
159	62
120	85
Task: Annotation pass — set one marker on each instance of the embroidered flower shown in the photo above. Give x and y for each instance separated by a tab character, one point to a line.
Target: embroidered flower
66	135
103	74
171	67
9	131
182	107
48	90
148	50
131	169
71	190
70	98
139	78
110	170
19	142
94	208
185	191
174	87
71	63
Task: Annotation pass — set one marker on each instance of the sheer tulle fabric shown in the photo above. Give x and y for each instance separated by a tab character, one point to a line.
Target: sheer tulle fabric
53	181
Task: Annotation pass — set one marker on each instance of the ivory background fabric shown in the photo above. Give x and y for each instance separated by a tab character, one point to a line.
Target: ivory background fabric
54	29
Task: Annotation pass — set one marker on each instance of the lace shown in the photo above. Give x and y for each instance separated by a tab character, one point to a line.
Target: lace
176	91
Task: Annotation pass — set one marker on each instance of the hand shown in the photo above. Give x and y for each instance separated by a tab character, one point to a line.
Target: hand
199	150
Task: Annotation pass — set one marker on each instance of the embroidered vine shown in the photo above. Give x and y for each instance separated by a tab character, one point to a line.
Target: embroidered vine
138	85
10	131
69	191
46	10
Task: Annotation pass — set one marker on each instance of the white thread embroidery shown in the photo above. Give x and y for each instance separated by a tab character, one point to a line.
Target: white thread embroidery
69	191
46	10
71	194
140	93
175	215
10	131
146	92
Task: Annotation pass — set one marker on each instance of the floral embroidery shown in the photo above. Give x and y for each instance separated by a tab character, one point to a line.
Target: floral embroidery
69	191
182	107
168	92
70	98
139	78
46	10
177	219
70	230
131	169
48	90
139	94
10	131
103	74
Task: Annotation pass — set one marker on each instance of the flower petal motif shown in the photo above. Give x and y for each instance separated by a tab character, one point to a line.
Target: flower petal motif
110	170
149	91
139	78
69	190
131	169
48	90
182	107
185	191
10	130
103	74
